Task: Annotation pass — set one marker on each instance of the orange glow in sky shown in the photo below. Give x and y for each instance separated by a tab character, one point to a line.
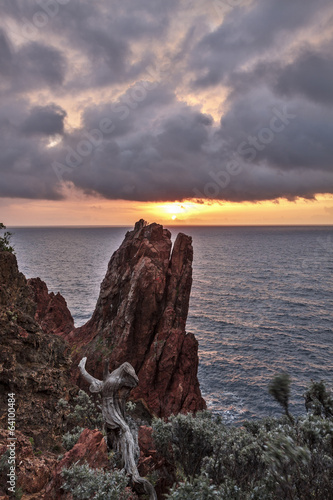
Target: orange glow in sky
79	210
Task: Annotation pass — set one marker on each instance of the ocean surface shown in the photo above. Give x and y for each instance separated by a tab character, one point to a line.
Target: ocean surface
261	303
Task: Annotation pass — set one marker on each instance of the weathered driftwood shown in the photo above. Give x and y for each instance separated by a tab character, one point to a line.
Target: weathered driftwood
115	389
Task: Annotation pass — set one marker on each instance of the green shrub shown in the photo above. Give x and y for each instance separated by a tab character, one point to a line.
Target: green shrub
82	414
85	483
318	400
5	245
71	438
264	459
186	439
201	488
85	413
4	465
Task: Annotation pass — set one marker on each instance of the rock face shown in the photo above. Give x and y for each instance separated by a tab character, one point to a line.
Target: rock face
91	448
52	312
34	472
33	363
140	317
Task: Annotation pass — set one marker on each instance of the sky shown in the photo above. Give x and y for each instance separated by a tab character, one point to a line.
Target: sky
175	111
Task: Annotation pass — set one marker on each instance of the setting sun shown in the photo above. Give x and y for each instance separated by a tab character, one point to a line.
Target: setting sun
177	211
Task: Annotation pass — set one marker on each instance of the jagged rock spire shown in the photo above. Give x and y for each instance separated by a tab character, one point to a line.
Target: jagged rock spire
140	318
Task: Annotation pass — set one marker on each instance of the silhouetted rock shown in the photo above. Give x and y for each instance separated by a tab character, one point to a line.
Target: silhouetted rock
14	292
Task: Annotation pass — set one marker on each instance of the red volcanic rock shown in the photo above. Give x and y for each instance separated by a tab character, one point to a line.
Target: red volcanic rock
52	312
33	363
33	472
140	317
91	448
14	292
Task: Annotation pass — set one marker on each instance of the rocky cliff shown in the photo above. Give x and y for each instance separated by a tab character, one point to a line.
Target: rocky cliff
33	363
140	317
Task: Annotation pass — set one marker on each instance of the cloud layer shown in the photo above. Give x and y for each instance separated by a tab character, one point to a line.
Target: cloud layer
139	78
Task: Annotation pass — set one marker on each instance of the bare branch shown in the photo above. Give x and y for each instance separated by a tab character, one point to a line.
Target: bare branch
95	384
115	389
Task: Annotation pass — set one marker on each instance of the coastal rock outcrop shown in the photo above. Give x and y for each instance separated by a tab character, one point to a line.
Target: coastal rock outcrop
52	312
33	363
140	318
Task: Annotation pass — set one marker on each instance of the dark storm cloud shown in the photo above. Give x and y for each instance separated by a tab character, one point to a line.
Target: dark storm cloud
303	142
147	162
248	33
5	55
32	66
310	75
24	158
276	148
44	120
150	144
101	32
37	64
129	114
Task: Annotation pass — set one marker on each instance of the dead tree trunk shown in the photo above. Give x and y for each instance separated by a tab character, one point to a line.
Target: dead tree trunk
115	389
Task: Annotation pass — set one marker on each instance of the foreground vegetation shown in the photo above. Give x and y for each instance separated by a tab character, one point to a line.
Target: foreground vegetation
5	245
271	458
266	459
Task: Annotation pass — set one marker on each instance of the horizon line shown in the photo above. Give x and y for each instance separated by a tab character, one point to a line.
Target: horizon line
74	226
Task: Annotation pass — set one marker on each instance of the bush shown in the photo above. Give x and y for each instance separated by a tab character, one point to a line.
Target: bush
5	245
85	483
71	438
318	400
264	459
200	488
85	413
191	440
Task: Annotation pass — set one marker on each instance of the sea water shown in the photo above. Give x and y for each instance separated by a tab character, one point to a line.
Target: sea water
261	302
